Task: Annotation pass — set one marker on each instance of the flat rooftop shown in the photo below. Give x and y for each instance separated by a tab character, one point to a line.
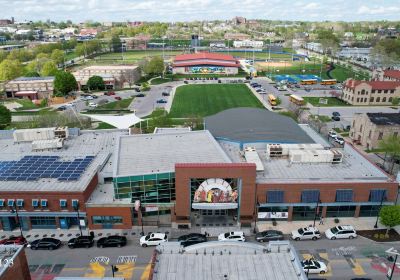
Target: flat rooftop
255	125
100	144
158	153
228	260
354	168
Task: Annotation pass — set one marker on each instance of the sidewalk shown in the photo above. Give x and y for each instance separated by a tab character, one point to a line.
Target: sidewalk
363	223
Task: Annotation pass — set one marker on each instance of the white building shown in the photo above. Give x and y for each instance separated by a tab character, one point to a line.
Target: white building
248	44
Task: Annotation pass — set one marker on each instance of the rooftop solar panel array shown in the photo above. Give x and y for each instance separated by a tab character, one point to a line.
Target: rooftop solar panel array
32	168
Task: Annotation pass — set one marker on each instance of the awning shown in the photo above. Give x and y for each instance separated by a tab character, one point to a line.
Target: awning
214	206
121	122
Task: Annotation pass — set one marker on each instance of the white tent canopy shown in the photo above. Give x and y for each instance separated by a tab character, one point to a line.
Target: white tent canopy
121	122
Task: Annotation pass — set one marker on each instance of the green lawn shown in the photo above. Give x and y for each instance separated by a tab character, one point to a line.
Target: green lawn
205	100
158	81
341	74
332	101
133	56
322	118
117	105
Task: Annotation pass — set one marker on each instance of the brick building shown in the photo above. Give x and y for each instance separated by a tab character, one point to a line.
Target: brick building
370	92
386	75
19	268
30	87
368	129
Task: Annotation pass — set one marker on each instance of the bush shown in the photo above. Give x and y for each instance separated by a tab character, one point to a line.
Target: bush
274	222
336	220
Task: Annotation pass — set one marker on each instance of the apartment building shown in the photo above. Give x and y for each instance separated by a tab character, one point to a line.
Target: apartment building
370	128
370	92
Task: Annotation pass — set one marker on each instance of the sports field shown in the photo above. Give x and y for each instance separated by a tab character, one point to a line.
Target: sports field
134	56
205	100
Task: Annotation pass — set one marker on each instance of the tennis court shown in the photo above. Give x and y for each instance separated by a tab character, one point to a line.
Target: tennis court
294	79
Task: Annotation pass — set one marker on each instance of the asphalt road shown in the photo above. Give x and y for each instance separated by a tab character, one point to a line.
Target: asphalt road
346	259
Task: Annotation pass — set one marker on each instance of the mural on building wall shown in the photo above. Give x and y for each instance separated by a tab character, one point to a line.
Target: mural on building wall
215	190
207	69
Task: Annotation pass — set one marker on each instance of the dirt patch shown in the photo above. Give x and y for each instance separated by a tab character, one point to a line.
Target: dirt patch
380	235
263	65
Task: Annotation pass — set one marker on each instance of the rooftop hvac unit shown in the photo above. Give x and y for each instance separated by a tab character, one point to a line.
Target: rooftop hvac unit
337	156
311	156
274	150
47	144
252	156
61	132
28	135
277	150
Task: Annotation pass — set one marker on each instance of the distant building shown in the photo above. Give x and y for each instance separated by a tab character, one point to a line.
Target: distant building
115	75
370	92
6	21
30	87
313	46
370	128
205	63
139	41
236	36
88	32
19	268
386	75
195	41
355	53
239	20
134	23
248	44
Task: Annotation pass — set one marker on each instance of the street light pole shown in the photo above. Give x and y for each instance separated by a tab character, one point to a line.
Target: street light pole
79	218
316	210
14	209
380	207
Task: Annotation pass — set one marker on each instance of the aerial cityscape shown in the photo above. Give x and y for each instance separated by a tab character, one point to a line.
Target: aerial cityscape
227	140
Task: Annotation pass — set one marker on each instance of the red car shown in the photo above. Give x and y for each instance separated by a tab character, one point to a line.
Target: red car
17	240
117	97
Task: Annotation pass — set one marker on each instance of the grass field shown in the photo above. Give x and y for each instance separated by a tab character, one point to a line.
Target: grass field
134	56
205	100
158	81
332	102
341	74
116	105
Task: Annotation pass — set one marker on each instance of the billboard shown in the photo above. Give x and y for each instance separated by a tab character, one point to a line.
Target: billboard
207	69
215	190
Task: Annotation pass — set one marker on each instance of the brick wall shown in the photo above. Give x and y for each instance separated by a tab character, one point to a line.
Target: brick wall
124	212
19	270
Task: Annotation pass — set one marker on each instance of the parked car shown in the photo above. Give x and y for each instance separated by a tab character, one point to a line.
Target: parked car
192	238
165	93
339	140
62	108
153	239
45	244
268	235
332	134
185	82
93	105
341	232
306	234
109	93
232	236
140	95
111	241
88	97
336	114
14	240
117	98
336	118
297	86
137	89
161	101
81	242
94	96
314	266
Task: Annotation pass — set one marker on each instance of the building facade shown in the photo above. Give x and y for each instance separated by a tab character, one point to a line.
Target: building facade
114	75
370	128
370	92
205	63
236	36
30	87
386	75
248	44
14	264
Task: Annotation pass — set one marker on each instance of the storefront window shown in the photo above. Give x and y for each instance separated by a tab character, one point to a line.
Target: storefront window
304	212
99	220
369	210
43	222
340	211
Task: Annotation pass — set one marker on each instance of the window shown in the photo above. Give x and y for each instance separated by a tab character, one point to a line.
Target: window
309	196
363	92
373	91
378	99
303	212
340	211
75	203
380	136
360	128
43	203
63	203
392	91
35	203
385	91
379	91
10	203
377	195
99	220
369	134
384	99
275	196
43	222
1	202
20	203
358	99
371	99
390	99
344	196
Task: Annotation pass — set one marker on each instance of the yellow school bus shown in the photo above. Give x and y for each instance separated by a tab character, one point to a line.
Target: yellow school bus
296	99
309	82
272	99
329	82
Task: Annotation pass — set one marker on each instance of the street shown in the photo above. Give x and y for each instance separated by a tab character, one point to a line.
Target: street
346	259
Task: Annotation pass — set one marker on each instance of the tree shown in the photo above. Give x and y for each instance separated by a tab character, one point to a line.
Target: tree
390	216
116	43
95	83
155	66
10	69
49	69
395	101
391	146
64	83
5	117
80	50
57	56
32	74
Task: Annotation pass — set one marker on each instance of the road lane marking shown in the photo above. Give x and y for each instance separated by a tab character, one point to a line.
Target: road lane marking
125	270
146	272
97	270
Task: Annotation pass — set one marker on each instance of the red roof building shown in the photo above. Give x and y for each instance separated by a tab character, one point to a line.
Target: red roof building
205	63
392	75
370	92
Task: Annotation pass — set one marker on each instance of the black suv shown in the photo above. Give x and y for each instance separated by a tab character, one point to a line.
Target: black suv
192	238
45	244
112	241
81	242
165	93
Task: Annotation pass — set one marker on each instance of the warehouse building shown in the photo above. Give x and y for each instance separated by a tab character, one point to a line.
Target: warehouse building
205	63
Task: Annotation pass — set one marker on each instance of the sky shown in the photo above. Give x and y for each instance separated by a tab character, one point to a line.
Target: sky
190	10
